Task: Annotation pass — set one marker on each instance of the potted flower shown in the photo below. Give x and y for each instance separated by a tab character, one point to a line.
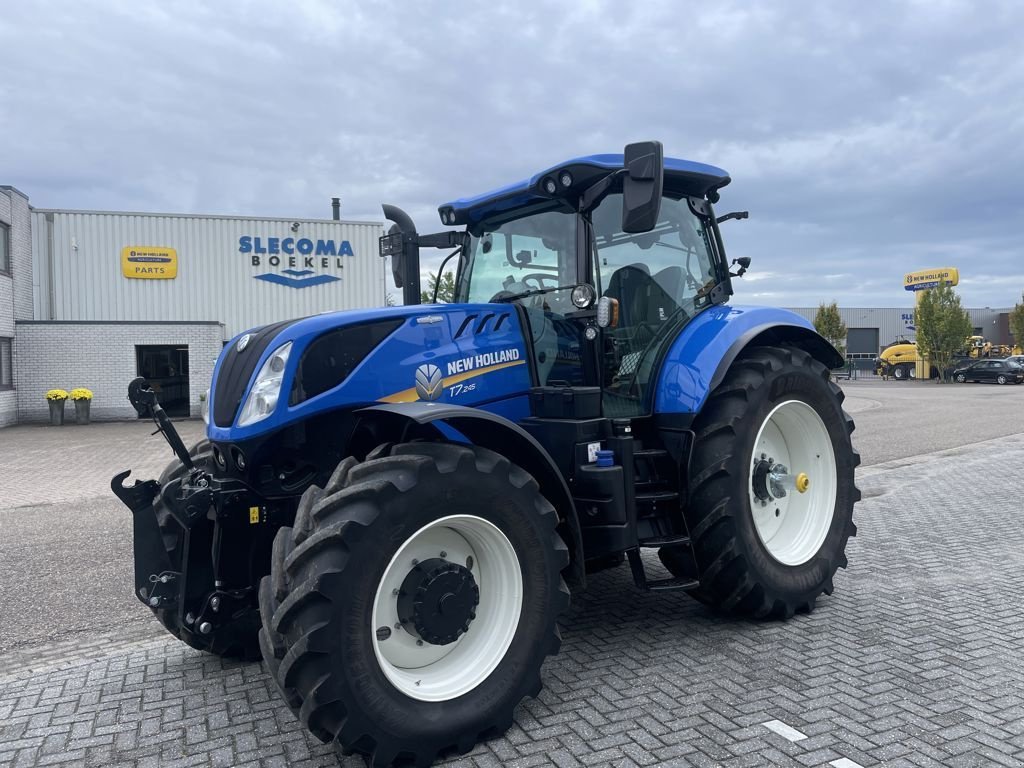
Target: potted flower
83	399
56	398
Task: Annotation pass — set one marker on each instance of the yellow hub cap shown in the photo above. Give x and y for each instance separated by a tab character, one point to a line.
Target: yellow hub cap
803	482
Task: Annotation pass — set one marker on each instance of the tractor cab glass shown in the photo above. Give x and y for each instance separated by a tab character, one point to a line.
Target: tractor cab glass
660	279
531	261
513	260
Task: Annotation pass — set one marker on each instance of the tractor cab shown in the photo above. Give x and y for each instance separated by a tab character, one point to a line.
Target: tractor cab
606	258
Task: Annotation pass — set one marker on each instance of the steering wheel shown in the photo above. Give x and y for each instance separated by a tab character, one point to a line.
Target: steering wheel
538	278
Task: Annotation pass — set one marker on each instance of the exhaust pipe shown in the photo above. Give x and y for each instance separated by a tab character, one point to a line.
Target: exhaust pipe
336	208
405	268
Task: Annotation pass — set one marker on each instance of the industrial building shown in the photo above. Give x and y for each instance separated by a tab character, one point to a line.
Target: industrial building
93	299
868	330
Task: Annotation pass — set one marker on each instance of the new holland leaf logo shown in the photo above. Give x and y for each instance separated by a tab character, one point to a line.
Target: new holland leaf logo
295	278
429	382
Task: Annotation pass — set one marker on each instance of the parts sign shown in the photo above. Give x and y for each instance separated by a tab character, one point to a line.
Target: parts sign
149	262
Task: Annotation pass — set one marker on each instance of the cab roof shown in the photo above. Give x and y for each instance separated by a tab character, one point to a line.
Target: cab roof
681	177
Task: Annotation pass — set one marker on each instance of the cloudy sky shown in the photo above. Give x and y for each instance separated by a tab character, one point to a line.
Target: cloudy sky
866	139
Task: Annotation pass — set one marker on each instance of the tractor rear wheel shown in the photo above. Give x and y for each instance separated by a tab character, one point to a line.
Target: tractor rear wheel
772	478
900	372
238	638
411	607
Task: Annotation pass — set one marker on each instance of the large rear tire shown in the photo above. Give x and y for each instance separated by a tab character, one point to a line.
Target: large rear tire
237	638
411	607
775	422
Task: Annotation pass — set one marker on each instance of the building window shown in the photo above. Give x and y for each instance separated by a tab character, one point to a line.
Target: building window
5	249
6	367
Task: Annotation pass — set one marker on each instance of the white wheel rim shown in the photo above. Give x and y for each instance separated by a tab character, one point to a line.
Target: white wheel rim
793	527
442	672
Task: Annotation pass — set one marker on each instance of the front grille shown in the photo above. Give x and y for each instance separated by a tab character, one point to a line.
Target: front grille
235	371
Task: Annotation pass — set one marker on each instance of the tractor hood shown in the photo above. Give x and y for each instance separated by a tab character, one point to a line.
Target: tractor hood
360	357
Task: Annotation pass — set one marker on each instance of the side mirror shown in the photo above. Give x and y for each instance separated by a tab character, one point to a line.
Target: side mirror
744	262
642	185
393	244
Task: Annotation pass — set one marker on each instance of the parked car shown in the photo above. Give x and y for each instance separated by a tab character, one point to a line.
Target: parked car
1018	359
999	371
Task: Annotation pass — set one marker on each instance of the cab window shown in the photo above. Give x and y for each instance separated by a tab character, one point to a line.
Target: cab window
529	253
660	279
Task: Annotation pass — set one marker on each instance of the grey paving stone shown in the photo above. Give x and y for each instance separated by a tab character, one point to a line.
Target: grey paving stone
915	660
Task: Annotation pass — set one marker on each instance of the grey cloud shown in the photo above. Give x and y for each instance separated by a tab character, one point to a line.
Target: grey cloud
866	139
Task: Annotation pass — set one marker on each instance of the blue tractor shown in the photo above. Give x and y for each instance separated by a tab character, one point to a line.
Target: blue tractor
392	504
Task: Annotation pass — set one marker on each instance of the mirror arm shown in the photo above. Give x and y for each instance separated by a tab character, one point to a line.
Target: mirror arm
733	215
450	239
596	192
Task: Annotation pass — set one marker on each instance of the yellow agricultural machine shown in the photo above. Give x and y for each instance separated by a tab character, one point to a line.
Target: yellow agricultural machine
900	359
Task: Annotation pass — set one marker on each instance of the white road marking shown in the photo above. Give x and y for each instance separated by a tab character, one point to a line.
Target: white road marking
845	762
785	731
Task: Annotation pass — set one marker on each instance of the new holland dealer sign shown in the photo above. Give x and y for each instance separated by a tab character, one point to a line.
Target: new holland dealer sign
302	262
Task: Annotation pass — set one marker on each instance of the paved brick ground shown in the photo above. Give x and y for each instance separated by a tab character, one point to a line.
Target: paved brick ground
48	465
914	661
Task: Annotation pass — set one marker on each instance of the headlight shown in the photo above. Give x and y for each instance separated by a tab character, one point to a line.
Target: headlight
204	408
263	396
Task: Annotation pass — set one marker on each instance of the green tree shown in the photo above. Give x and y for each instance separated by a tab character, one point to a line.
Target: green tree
445	292
1017	323
829	324
942	326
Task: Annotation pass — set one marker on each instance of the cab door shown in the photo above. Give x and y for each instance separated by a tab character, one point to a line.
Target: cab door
661	279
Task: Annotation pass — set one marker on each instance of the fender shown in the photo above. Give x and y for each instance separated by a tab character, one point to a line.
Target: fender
489	430
700	356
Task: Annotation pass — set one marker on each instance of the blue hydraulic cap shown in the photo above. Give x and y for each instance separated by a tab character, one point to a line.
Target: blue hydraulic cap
571	178
606	458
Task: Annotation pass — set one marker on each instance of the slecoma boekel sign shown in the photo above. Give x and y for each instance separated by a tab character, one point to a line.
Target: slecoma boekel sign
307	262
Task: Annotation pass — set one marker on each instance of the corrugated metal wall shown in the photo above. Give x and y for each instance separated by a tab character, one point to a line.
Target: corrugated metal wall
895	322
78	269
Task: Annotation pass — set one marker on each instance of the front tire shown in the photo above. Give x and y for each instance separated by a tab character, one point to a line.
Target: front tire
899	373
961	379
411	607
775	420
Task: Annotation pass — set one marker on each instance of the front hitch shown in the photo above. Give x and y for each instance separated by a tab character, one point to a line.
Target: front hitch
155	577
144	400
157	582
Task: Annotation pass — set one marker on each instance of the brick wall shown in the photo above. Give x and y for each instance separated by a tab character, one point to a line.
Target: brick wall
101	357
16	290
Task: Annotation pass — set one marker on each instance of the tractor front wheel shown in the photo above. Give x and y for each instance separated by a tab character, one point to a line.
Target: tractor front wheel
411	607
772	478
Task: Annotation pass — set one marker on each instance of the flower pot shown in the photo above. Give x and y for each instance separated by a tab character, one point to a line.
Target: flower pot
82	411
56	412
